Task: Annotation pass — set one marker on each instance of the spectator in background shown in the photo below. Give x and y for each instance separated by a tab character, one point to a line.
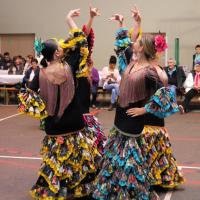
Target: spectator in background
1	62
192	85
30	73
23	61
7	61
196	56
111	79
17	68
176	76
94	80
28	63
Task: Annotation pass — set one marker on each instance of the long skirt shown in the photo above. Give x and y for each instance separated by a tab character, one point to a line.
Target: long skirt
69	166
157	150
123	174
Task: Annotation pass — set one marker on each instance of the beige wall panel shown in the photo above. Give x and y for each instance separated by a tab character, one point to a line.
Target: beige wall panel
46	18
17	44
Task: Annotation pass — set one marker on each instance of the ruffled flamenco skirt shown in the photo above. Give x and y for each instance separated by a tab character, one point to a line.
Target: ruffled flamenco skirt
157	150
95	132
123	175
69	166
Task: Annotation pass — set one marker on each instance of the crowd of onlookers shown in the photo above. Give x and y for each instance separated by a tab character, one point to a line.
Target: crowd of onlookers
187	85
109	77
19	66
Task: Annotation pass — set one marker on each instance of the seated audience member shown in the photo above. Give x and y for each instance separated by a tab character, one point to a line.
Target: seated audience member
23	61
28	63
176	76
94	76
7	61
17	68
111	79
192	85
196	56
1	62
30	73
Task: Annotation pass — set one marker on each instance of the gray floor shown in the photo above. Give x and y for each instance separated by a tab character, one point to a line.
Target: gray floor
21	137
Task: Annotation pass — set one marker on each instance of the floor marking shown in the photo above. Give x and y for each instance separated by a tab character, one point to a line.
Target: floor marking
10	117
188	167
20	157
39	158
168	195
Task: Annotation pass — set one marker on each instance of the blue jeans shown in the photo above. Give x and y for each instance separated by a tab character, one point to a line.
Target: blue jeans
94	94
173	89
114	88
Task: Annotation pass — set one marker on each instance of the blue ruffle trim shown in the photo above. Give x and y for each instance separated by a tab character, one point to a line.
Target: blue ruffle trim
163	103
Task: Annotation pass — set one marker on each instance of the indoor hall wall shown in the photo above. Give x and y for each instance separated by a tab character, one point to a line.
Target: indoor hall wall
46	18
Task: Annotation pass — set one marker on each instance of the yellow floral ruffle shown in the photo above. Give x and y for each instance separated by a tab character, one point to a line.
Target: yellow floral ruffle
30	103
156	147
67	159
77	37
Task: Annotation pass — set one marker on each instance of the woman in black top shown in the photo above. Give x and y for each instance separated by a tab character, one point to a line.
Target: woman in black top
124	173
155	143
70	161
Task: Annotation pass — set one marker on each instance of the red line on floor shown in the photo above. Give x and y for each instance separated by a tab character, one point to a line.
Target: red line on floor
6	162
192	183
16	152
12	151
94	112
188	171
26	154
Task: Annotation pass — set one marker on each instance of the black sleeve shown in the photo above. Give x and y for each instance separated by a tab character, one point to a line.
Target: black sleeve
73	59
183	75
34	84
152	81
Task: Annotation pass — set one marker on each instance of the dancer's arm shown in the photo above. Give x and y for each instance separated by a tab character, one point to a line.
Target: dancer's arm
93	13
136	24
119	18
162	104
70	16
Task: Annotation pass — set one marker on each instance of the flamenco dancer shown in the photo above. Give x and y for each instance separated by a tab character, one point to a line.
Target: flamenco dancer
70	161
155	143
124	172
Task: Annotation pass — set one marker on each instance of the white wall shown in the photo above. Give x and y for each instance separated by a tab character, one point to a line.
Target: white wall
45	18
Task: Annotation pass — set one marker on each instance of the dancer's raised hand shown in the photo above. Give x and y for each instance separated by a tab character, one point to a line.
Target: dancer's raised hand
117	17
94	12
73	13
136	14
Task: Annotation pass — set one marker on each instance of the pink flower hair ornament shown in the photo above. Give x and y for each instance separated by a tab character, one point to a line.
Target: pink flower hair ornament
160	43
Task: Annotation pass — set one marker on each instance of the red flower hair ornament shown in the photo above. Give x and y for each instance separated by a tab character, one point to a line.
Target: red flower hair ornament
160	43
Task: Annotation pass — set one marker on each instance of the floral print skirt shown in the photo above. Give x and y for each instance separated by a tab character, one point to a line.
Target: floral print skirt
69	166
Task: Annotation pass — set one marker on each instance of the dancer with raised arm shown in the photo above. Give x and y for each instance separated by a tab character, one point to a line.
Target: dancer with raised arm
155	142
70	160
124	173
